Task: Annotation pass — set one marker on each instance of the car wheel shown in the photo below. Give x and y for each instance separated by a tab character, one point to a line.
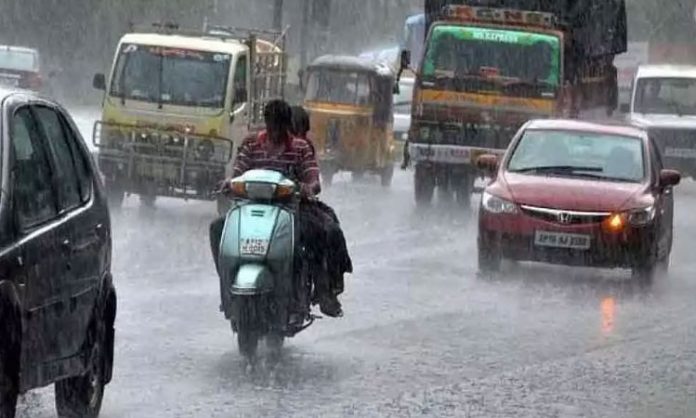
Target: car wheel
424	185
81	396
489	258
644	274
9	360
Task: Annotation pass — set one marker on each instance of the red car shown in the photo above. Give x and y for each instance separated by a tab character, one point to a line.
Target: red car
20	68
577	193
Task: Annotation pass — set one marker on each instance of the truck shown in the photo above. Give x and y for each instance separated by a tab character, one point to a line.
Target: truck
489	66
178	103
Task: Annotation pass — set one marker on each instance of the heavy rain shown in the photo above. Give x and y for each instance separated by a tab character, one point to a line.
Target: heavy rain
328	208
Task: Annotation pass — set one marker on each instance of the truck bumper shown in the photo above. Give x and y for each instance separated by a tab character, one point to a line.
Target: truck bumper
448	154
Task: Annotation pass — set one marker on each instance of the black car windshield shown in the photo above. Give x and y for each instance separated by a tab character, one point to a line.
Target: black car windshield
342	87
171	76
669	96
482	59
579	154
19	60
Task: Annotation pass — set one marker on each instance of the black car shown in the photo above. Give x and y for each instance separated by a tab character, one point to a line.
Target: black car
57	299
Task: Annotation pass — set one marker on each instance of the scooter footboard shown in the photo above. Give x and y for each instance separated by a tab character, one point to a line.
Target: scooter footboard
252	279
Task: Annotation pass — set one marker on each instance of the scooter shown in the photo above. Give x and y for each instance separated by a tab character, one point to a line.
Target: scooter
265	287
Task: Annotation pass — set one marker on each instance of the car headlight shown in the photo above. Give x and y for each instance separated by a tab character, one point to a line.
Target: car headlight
495	204
641	217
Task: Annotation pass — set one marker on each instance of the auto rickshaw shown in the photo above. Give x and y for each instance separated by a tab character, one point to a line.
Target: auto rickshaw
350	103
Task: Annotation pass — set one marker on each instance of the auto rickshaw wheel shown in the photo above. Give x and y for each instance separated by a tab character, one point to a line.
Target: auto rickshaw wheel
387	175
424	185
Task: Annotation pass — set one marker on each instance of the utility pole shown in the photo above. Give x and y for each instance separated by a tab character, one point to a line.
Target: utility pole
278	15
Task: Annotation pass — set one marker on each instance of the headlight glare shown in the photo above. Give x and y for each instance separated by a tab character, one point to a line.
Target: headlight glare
497	205
640	217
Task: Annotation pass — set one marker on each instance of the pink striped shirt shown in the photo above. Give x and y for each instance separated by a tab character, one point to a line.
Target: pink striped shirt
297	160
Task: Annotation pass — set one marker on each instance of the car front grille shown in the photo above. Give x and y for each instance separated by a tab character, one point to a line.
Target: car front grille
565	217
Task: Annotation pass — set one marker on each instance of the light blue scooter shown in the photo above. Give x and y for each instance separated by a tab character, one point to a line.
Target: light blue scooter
265	289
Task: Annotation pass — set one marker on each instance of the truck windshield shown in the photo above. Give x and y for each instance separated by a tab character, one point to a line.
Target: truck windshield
338	87
171	76
19	60
669	96
482	59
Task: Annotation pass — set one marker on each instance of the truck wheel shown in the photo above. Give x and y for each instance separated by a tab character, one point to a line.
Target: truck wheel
81	396
387	175
9	359
424	185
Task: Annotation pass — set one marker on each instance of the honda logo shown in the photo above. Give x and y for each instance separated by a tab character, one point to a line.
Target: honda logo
564	217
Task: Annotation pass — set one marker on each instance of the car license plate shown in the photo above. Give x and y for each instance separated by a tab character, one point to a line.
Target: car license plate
254	246
562	240
680	152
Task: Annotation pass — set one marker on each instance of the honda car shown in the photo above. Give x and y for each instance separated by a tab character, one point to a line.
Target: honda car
577	193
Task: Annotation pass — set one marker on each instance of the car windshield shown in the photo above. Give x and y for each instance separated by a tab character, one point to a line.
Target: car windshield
173	76
402	101
480	59
339	87
579	154
19	60
670	96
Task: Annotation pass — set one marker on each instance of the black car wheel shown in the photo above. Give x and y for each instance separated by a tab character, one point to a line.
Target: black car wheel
644	274
489	258
81	396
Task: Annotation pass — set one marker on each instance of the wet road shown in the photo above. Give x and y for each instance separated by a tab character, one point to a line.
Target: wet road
422	335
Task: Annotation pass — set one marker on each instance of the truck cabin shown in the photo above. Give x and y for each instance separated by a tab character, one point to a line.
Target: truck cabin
349	81
665	90
515	53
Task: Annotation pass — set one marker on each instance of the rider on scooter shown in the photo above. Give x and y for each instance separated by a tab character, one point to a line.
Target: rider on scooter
277	149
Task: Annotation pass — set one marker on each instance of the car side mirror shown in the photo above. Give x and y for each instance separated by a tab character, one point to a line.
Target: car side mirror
625	108
405	59
99	82
669	178
488	163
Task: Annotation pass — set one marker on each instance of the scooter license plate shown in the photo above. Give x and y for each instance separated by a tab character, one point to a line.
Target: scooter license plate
254	246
